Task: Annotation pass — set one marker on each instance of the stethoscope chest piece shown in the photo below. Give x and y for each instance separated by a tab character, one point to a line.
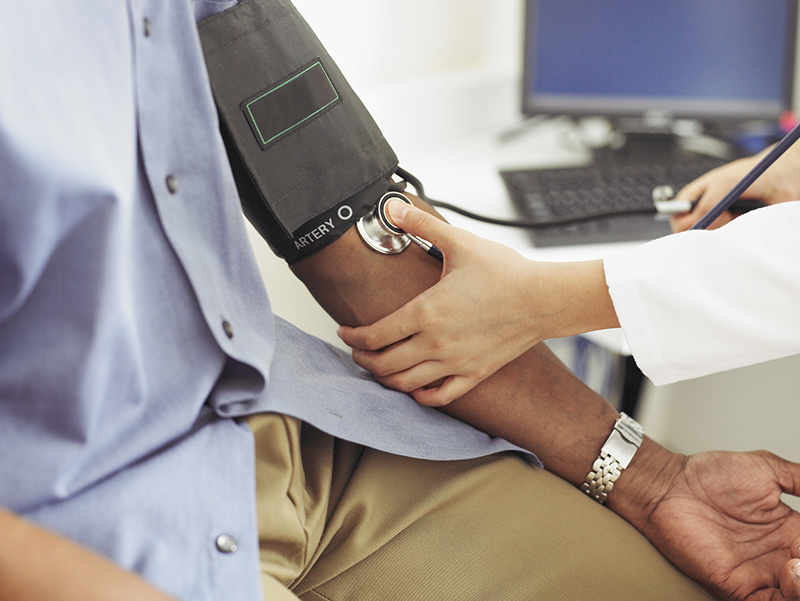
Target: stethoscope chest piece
378	232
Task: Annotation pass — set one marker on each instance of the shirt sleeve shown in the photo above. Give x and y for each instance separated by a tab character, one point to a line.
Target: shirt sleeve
702	302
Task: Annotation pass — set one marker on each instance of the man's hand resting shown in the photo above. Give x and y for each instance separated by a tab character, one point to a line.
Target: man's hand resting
719	518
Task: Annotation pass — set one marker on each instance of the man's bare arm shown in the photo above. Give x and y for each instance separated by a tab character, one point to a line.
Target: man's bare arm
534	402
37	565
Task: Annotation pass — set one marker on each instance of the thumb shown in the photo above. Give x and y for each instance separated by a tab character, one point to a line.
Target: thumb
790	580
419	223
694	190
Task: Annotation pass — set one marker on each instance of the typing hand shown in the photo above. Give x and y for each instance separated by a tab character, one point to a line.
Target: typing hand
720	519
779	183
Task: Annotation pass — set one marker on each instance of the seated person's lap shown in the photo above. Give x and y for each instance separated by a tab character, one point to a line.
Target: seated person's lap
338	521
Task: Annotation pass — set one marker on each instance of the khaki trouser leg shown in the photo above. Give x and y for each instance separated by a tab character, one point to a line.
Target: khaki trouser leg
383	527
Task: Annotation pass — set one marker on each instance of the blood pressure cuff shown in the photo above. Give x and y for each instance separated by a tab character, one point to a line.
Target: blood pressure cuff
307	157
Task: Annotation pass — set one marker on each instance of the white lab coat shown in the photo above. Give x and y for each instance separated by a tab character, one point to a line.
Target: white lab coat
701	302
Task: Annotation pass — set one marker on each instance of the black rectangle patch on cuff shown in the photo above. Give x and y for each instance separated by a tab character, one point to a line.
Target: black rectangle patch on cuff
290	104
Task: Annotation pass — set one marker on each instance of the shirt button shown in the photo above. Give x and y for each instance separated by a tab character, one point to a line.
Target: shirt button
148	28
172	184
226	543
227	328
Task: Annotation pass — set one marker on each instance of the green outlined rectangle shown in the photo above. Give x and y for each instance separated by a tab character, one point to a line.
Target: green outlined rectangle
290	104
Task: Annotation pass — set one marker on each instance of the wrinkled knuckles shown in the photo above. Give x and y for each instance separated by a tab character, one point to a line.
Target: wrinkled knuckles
377	372
372	341
398	382
363	359
378	367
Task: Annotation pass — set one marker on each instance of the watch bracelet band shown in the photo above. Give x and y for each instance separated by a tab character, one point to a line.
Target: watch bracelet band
600	480
615	455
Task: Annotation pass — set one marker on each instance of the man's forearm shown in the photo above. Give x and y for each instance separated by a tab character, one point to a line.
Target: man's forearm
535	401
36	565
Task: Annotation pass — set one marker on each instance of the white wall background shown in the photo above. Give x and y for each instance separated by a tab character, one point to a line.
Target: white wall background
378	42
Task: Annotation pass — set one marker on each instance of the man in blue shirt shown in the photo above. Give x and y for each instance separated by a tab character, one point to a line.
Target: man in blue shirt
140	367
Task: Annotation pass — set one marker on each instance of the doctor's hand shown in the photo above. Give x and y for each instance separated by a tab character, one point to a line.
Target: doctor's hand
779	183
490	306
719	518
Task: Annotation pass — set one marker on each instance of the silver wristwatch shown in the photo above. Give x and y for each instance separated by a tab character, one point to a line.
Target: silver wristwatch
615	455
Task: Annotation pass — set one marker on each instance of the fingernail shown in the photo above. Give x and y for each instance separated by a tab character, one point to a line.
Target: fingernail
396	209
796	570
339	331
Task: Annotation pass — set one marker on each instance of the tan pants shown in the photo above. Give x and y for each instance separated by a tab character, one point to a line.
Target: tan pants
339	521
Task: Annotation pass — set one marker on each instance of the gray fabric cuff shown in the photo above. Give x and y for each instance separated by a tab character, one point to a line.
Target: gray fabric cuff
308	158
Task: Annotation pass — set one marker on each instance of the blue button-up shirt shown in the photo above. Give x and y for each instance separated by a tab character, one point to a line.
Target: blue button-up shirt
134	326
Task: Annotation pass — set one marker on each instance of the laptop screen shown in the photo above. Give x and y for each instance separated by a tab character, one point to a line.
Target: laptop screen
721	59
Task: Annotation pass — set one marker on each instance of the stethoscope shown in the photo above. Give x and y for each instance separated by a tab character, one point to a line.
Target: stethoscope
380	234
383	236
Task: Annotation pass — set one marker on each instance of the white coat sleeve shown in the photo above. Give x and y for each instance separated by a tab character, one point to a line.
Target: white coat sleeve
701	302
